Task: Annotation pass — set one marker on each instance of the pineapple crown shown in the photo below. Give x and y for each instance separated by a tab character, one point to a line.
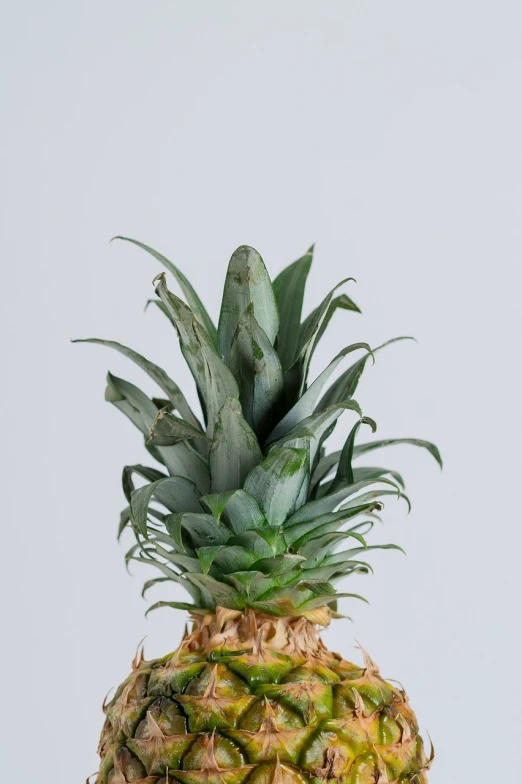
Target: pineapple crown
248	509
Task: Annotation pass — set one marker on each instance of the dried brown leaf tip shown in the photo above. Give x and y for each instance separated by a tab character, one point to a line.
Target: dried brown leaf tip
335	765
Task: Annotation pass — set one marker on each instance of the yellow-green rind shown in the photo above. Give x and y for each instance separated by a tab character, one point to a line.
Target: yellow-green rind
306	720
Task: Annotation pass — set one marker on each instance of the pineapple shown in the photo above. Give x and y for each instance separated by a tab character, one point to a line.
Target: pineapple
247	511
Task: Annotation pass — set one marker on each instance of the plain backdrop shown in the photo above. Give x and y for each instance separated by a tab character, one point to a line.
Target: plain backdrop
389	134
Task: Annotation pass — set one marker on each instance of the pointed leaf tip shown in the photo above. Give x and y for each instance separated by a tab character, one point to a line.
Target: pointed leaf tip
188	290
247	281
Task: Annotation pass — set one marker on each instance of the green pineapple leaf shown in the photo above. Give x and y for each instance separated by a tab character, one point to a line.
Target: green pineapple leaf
296	375
362	449
240	510
345	386
213	378
207	556
185	606
257	370
369	472
131	401
247	281
167	430
342	302
185	562
318	601
306	404
181	459
310	433
175	529
278	564
215	503
215	592
148	584
204	530
175	492
188	290
345	473
320	546
150	474
277	483
234	451
289	288
329	503
233	558
299	533
157	374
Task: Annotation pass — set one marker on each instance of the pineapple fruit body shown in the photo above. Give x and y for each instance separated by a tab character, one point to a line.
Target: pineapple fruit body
252	698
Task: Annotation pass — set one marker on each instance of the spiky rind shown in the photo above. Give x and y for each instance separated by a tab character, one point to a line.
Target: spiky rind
249	698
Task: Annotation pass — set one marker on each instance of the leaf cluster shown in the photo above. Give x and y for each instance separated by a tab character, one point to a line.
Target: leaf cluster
247	508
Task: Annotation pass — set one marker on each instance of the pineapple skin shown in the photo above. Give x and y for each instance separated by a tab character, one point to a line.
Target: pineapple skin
252	698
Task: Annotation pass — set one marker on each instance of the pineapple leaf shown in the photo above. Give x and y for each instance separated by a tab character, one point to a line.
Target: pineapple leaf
296	375
298	534
345	386
278	565
181	459
213	378
344	473
289	288
193	299
148	584
215	592
374	494
323	469
330	503
125	519
361	449
310	433
335	571
362	474
240	510
243	512
242	580
257	370
233	558
342	302
157	374
164	569
216	503
311	604
276	484
131	401
207	555
317	548
185	562
176	606
173	525
150	474
247	281
316	587
175	492
306	404
258	545
204	530
345	556
234	451
167	430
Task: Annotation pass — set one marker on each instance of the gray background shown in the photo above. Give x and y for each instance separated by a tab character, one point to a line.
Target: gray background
387	132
